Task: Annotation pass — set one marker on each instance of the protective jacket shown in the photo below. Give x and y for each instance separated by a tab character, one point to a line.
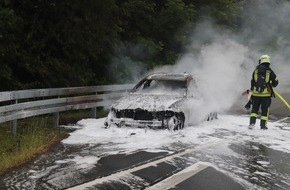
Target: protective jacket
270	81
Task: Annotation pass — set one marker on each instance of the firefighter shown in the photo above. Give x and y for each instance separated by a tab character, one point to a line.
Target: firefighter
262	83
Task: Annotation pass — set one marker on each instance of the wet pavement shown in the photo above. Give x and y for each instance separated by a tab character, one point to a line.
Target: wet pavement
234	160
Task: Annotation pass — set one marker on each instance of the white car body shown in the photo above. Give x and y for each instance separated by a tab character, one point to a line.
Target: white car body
157	101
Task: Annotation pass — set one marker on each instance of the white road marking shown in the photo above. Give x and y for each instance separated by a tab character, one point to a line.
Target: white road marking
283	119
119	174
179	177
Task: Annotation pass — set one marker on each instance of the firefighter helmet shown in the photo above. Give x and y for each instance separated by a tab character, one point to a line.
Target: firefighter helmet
265	59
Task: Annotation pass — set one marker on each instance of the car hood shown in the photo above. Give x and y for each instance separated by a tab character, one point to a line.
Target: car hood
146	102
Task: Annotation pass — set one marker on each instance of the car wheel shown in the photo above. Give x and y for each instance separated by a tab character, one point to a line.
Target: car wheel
180	124
121	124
176	122
212	116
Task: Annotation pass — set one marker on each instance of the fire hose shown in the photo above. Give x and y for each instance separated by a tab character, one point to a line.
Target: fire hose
249	94
282	99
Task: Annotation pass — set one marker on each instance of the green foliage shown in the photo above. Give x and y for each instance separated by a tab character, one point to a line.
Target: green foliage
223	12
168	28
53	43
10	29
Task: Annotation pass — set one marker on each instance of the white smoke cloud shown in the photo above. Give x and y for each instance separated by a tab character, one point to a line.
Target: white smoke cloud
223	61
221	68
266	29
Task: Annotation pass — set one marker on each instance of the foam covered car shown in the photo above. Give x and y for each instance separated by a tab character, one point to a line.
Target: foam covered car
158	101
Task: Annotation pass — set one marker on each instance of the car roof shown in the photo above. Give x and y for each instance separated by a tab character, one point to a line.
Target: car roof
169	76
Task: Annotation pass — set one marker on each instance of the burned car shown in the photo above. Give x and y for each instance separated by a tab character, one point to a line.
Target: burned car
158	101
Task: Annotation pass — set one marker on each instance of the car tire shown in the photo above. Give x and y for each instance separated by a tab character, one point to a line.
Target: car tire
212	116
176	122
181	122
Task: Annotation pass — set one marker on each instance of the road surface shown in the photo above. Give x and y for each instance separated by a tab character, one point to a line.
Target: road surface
220	154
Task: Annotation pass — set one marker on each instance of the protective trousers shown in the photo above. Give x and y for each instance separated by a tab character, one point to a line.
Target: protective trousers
264	103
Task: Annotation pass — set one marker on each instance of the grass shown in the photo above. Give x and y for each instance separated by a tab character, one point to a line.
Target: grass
34	136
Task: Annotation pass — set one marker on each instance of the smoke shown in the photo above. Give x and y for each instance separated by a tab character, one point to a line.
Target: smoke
125	70
222	61
266	30
220	66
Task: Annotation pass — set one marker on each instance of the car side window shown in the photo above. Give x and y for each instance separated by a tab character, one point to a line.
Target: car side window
146	84
162	87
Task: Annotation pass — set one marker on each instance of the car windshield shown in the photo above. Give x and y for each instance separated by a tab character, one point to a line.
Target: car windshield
162	87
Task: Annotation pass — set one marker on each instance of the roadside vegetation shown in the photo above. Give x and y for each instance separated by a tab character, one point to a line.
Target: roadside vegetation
48	44
34	136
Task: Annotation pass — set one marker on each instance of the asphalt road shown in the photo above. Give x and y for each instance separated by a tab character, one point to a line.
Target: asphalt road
140	170
183	166
247	165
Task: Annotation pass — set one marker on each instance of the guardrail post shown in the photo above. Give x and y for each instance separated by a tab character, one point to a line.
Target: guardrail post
14	122
14	126
56	119
94	111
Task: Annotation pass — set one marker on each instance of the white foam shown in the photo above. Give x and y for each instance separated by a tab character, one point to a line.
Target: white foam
132	139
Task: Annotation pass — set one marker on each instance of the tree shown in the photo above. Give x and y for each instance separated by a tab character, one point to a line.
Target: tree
171	30
223	12
51	43
10	29
152	35
62	43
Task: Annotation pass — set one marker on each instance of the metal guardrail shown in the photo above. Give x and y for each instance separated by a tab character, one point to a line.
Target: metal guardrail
27	103
21	104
